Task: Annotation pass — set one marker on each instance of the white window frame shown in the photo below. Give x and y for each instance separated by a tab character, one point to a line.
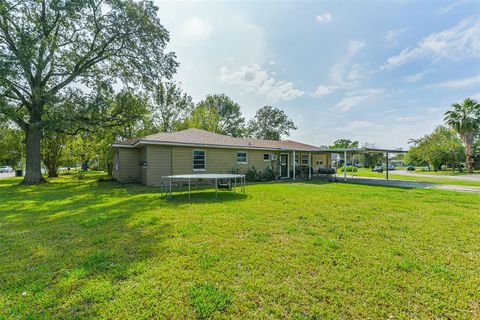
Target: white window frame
269	157
296	159
246	157
204	160
303	158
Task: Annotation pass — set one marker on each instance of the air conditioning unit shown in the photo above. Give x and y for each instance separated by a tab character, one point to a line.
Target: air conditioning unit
273	157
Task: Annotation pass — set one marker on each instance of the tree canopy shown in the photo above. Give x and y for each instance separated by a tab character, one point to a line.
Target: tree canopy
270	123
345	144
220	114
464	118
51	49
171	107
440	147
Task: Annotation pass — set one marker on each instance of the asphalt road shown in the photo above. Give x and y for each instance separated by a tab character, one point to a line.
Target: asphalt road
466	177
7	175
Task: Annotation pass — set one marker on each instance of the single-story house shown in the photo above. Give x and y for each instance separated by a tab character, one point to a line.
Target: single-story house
147	159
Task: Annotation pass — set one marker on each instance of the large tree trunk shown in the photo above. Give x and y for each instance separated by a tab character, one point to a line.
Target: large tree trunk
468	149
33	173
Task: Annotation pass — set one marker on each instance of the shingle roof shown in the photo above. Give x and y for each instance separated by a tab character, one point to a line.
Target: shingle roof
195	136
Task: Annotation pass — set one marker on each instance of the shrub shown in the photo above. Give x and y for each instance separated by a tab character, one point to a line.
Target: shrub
349	169
252	175
269	174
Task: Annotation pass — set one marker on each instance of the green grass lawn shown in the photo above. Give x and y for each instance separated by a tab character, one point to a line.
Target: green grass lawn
75	249
441	179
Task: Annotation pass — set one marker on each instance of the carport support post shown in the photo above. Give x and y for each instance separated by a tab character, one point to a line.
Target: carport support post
310	167
345	166
293	165
387	165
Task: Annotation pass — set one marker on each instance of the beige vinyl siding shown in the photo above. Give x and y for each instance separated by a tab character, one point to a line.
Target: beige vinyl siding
129	170
218	160
159	163
115	172
320	157
324	157
143	169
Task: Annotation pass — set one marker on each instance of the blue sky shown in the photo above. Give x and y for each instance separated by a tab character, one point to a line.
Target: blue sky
375	71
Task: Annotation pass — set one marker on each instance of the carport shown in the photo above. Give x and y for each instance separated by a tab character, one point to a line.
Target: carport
358	151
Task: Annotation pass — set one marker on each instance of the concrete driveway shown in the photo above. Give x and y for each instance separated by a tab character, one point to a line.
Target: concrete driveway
410	184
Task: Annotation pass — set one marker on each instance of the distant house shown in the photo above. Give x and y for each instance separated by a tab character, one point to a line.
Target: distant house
147	159
476	163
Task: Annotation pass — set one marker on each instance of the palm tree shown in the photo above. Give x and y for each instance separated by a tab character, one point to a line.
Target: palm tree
465	120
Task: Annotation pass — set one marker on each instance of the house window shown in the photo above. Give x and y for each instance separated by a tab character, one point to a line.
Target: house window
199	160
305	159
241	157
319	162
296	160
266	156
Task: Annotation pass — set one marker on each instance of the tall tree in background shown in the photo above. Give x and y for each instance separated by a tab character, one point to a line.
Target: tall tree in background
47	46
11	144
345	144
205	118
464	118
270	123
370	160
440	147
53	144
171	106
220	114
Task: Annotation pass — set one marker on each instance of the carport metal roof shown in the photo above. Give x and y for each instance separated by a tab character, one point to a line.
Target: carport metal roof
360	150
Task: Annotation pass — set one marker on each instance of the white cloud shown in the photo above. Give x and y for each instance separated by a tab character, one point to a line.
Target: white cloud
460	83
255	79
415	77
452	6
196	29
324	17
392	37
357	72
357	97
324	90
463	40
341	70
355	46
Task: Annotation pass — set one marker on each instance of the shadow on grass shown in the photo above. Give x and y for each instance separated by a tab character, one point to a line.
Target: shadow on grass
74	242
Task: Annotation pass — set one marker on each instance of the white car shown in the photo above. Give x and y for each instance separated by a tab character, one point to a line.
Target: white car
6	169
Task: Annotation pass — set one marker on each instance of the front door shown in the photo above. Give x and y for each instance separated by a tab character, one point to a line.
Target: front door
284	166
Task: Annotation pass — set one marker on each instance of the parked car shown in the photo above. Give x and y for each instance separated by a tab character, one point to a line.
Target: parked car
411	168
378	169
6	169
391	167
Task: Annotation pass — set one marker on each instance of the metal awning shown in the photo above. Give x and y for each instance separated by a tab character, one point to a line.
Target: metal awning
360	150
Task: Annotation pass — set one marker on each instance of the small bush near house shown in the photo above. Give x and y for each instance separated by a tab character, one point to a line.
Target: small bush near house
252	175
269	174
349	169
